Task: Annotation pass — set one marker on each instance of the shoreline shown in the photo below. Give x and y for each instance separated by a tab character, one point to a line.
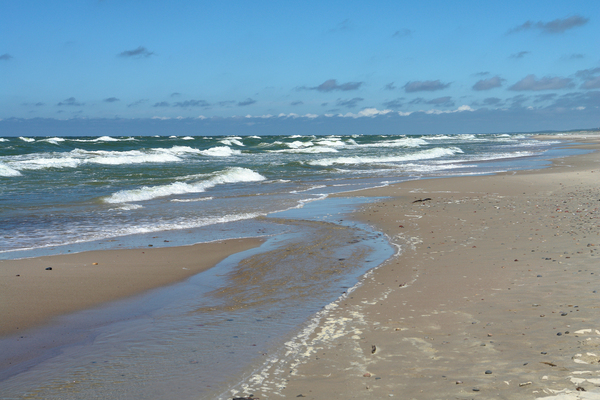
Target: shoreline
400	199
84	280
494	294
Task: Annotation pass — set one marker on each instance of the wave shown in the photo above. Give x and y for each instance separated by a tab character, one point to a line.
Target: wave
404	142
43	163
104	139
4	140
53	140
191	200
77	157
230	175
306	150
429	154
232	141
26	139
220	151
113	232
7	171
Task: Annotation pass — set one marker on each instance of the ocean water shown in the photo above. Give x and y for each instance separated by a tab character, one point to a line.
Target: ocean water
80	190
200	338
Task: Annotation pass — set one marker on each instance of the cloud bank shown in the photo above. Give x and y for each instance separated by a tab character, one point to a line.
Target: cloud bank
421	86
545	83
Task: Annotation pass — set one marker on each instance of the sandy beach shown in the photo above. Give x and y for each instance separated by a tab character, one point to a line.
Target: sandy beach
33	291
495	295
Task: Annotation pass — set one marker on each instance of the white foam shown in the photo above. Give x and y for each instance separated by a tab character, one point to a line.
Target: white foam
191	200
232	141
403	142
53	140
307	150
103	139
43	163
187	138
220	151
296	144
4	140
26	139
7	171
429	154
230	175
131	157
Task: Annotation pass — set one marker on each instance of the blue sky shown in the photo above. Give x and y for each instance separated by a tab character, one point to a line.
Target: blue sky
265	60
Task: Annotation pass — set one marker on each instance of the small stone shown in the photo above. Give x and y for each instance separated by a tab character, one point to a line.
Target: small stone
476	389
367	375
525	383
458	382
94	263
488	372
49	269
559	334
543	352
539	276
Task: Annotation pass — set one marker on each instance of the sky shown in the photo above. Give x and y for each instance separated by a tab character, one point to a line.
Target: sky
279	66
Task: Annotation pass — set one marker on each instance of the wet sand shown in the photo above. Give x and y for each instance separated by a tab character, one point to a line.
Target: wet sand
496	295
31	295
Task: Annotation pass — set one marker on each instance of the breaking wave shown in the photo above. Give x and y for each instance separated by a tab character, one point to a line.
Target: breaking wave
230	175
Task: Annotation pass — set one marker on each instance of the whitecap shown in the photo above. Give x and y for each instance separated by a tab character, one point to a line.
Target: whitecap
436	152
308	150
7	171
43	163
54	140
403	142
26	139
232	141
220	151
230	175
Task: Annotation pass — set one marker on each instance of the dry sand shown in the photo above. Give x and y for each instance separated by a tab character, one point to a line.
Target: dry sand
496	295
31	295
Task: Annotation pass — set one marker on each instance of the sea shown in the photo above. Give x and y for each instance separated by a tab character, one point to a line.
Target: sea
189	340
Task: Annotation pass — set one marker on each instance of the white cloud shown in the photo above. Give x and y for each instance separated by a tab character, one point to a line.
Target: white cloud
459	109
367	112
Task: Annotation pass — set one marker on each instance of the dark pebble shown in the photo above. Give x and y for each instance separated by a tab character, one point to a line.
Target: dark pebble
49	269
476	389
559	334
488	372
543	352
539	276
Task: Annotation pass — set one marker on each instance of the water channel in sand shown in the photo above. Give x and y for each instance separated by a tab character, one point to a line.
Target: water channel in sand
194	338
